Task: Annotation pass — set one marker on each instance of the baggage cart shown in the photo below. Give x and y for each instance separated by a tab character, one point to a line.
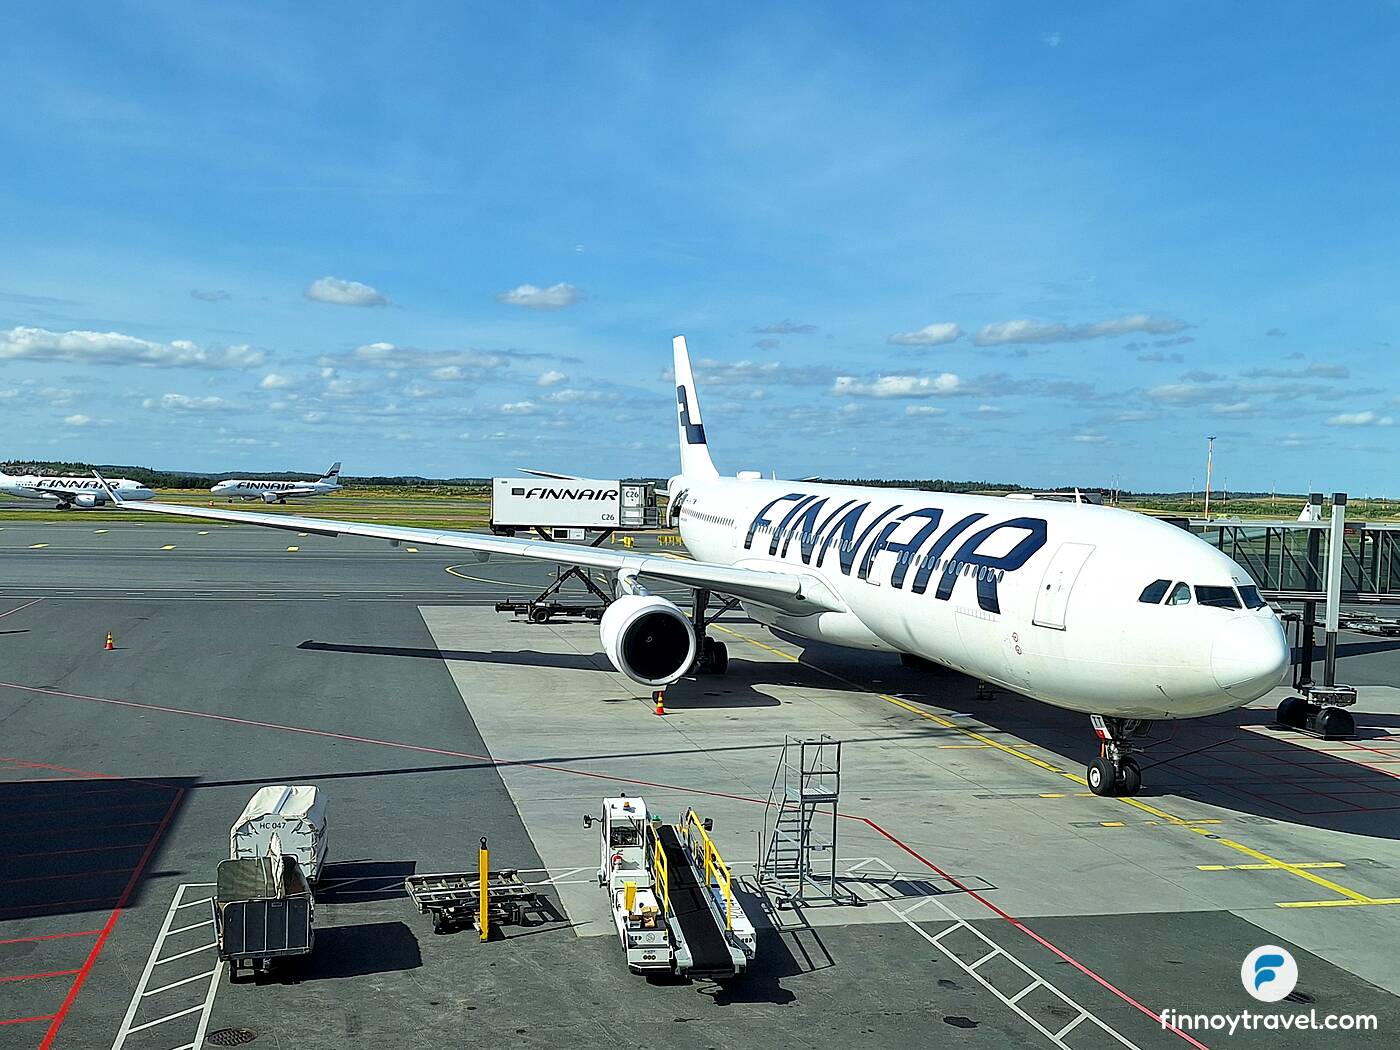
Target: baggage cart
260	918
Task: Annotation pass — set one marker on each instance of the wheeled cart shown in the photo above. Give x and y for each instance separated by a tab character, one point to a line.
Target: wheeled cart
261	915
454	898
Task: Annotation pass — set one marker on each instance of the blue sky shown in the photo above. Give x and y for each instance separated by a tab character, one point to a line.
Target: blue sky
1047	243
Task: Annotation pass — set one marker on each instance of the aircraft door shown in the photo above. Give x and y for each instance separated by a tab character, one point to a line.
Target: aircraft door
1052	600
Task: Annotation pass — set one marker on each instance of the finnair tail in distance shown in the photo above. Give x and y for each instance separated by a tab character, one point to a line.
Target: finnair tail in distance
69	492
278	491
1098	610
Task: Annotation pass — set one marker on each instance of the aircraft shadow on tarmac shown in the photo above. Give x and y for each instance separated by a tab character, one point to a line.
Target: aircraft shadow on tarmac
74	843
1220	760
734	690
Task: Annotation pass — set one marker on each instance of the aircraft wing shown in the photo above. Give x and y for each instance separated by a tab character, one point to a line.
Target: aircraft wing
791	592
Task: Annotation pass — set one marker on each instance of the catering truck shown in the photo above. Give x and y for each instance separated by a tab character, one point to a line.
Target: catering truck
521	504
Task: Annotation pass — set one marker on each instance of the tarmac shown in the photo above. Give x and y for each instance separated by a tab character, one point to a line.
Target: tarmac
998	902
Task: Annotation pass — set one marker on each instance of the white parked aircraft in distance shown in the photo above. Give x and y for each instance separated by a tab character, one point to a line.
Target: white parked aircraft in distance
279	491
1099	610
70	492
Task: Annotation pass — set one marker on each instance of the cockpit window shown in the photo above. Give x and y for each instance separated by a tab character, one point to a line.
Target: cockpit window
1181	595
1217	597
1153	593
1251	598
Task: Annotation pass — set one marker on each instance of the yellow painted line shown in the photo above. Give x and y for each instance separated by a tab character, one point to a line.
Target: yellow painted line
168	547
37	546
1112	824
961	747
1190	825
1337	903
1053	794
1269	867
411	550
303	534
293	548
476	579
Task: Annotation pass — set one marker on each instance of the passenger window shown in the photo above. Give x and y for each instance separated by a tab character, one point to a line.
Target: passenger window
1251	597
1181	595
1154	592
1217	597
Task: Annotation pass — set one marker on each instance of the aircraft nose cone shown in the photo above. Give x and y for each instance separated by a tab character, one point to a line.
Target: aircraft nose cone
1249	656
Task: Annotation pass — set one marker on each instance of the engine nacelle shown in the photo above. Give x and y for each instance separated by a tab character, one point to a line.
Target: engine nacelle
270	497
648	639
86	500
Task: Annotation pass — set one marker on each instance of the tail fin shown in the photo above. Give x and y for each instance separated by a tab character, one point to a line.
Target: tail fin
695	453
333	474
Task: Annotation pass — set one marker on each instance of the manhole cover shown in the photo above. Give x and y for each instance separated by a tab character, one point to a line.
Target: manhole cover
231	1037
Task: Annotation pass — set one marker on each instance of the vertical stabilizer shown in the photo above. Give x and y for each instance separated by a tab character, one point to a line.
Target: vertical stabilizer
333	474
695	452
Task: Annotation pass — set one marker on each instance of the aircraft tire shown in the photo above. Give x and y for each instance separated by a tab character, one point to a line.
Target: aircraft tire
719	658
1101	776
1293	712
1129	778
1334	724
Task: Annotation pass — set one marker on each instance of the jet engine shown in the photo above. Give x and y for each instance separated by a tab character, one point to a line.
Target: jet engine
648	639
86	500
270	497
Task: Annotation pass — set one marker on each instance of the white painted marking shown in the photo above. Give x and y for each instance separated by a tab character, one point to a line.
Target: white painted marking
1070	1027
162	1020
191	926
186	955
168	547
202	900
37	546
1026	991
176	984
990	955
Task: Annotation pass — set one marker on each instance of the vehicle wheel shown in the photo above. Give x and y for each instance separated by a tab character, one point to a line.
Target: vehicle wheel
539	614
1334	724
719	658
1293	712
1129	777
1100	776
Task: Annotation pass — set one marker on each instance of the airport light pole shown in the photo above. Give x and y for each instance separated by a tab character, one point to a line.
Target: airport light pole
1210	456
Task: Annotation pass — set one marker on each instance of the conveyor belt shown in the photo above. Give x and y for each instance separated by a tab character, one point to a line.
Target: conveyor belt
703	935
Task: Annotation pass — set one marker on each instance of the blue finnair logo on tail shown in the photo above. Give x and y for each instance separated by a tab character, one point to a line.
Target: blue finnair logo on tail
694	432
1269	973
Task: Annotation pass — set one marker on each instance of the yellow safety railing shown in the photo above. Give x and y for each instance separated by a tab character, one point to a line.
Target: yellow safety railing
716	870
660	877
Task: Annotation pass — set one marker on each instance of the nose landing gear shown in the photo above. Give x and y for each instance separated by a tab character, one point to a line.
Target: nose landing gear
1115	771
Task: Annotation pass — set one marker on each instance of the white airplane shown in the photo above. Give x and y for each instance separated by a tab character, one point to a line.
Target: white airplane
1094	609
278	491
70	492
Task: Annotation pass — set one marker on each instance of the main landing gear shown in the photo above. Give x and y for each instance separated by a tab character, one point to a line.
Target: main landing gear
1115	771
711	656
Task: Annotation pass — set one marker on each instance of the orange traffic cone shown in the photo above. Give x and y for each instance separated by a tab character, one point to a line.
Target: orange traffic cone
659	697
109	644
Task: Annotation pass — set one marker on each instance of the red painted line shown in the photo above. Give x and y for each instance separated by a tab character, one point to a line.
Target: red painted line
106	931
600	776
89	774
1018	924
36	601
40	905
85	849
35	976
50	937
80	829
68	875
26	1020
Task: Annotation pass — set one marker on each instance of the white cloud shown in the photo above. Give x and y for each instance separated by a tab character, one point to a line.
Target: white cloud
388	356
929	335
340	292
1175	393
786	326
1052	39
276	381
897	386
1090	439
555	297
1359	419
209	295
518	408
552	377
77	420
113	348
1002	332
922	410
184	403
1234	408
573	397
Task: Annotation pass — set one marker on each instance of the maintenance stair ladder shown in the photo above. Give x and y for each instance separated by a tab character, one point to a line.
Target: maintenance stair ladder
797	864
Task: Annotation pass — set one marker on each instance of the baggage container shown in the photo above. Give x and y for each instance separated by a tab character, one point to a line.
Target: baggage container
259	918
296	814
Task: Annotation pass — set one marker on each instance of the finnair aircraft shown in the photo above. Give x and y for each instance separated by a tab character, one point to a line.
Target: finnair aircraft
278	491
69	492
1094	609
